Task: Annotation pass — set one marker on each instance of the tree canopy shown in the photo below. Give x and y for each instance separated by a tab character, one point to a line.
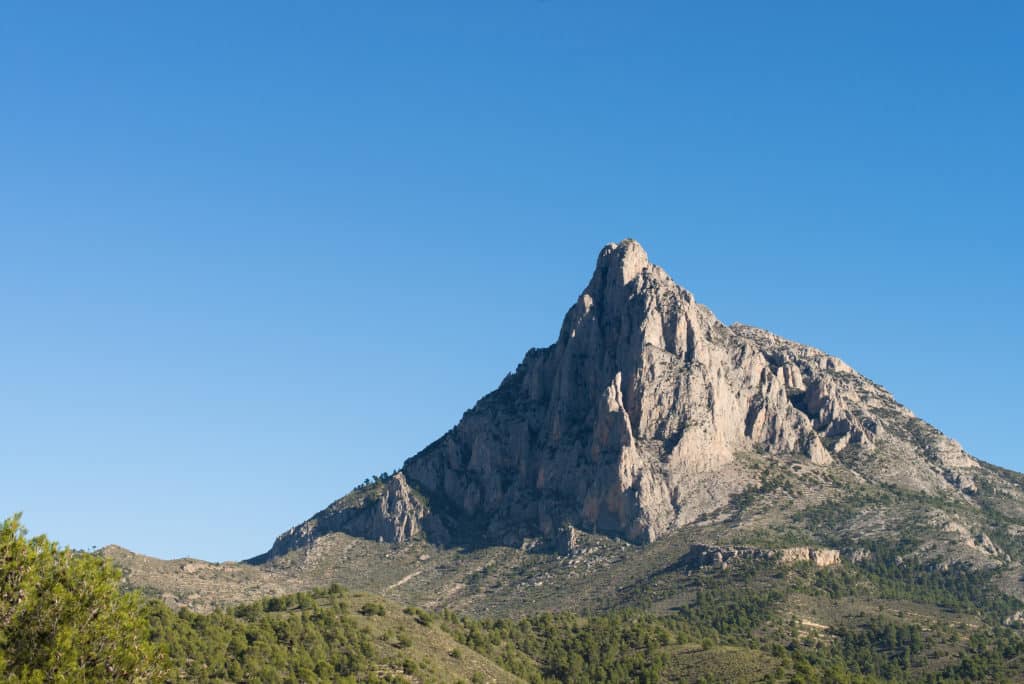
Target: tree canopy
63	616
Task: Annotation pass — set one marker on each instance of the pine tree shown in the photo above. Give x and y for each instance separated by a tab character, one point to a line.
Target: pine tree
63	616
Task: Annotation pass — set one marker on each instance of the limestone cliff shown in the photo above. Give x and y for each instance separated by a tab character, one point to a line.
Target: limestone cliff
644	389
617	426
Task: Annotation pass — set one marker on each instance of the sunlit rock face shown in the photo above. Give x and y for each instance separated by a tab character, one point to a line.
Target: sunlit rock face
644	389
630	425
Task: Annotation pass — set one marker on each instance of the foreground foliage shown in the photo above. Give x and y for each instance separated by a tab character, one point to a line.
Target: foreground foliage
63	616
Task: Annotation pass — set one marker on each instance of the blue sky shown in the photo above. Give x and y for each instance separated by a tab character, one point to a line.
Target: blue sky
251	253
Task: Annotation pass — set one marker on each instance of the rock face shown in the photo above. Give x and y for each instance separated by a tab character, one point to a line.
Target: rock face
721	557
567	540
622	423
803	554
388	512
644	389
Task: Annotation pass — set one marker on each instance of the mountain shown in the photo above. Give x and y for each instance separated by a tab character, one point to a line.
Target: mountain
646	415
713	498
650	441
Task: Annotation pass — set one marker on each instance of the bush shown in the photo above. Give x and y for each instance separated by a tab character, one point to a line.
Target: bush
63	616
369	609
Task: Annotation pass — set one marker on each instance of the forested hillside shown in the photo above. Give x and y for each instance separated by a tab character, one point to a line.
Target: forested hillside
63	617
730	632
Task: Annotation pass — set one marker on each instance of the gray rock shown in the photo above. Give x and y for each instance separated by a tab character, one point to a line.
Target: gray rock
722	557
645	389
388	512
567	541
627	426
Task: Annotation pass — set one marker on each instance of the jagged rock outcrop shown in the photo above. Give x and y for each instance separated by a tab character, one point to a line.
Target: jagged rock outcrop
805	554
630	423
567	540
388	512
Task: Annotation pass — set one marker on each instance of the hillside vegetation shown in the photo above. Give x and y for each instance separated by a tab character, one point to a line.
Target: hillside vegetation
729	631
885	619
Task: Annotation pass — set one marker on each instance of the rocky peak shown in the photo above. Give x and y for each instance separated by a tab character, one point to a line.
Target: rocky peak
619	264
610	428
630	424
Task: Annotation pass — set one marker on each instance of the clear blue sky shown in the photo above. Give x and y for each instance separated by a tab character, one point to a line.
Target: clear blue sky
252	253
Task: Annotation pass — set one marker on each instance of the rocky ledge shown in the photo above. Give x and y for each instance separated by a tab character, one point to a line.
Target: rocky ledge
722	557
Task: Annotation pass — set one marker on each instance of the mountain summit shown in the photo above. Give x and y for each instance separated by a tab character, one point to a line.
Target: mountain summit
646	415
